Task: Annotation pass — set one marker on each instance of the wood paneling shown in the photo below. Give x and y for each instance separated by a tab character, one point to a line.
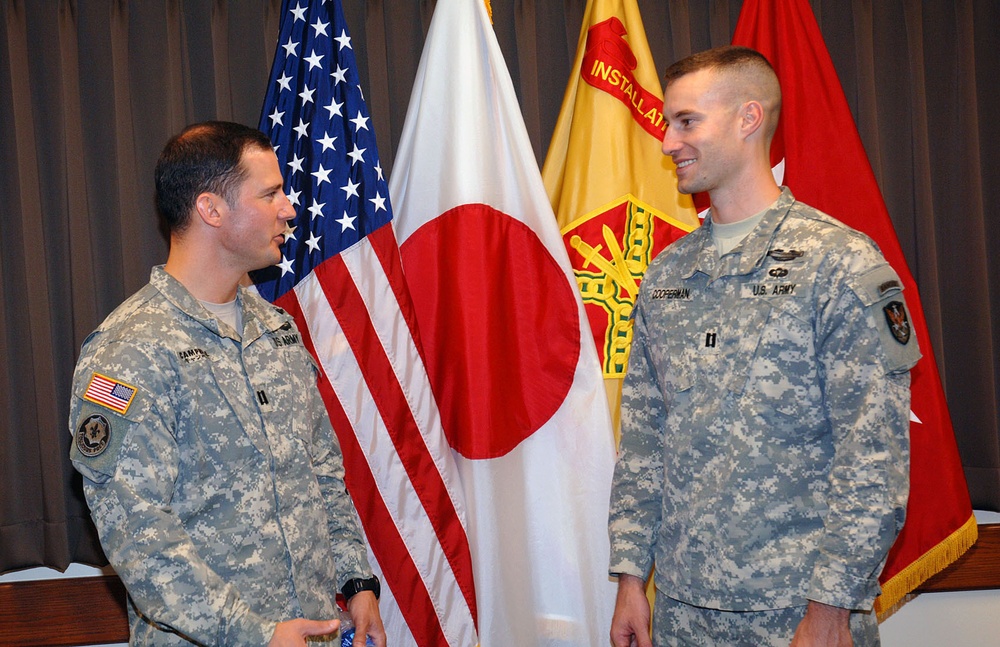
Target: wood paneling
978	568
73	611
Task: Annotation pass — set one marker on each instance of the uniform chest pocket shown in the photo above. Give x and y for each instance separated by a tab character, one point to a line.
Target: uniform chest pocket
782	375
285	380
708	349
216	421
775	318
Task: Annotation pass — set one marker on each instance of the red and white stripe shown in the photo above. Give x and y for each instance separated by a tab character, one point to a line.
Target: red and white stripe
355	315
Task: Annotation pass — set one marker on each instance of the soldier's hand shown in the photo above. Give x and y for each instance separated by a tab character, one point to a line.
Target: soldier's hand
630	624
825	626
363	608
293	633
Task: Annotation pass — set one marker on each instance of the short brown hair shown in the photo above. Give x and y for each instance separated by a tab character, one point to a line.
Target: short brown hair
203	157
729	58
747	73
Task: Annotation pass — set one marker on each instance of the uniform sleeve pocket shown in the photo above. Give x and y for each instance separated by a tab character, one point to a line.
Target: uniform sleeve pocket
97	440
881	293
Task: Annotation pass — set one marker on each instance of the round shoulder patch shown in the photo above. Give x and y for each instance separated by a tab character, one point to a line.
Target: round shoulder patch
93	435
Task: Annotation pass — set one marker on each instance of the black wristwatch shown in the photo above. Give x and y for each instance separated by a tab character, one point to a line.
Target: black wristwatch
358	584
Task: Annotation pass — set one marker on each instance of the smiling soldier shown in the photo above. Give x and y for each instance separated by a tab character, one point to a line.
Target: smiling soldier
764	453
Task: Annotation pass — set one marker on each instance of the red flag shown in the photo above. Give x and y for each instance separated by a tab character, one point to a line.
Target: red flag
824	163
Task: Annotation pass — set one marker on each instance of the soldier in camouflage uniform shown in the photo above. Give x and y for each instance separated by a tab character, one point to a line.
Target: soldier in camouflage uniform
209	463
765	413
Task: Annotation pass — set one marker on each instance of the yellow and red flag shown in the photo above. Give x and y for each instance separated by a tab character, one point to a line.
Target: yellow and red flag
819	154
613	191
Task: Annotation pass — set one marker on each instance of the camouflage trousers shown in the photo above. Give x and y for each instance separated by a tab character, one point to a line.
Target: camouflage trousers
677	623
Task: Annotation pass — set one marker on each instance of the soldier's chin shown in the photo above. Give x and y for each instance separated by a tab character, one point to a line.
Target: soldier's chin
270	261
694	185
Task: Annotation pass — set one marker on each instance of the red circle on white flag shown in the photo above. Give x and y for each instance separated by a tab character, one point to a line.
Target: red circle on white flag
499	325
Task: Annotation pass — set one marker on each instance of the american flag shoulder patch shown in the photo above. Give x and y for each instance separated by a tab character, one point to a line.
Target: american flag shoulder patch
110	393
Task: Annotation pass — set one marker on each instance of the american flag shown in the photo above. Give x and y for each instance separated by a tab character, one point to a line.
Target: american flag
340	276
316	117
110	393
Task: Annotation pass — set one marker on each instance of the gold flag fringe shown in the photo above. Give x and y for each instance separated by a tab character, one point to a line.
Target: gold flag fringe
894	591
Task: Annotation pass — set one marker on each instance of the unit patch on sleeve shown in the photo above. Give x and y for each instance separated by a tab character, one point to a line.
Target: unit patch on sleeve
93	435
899	323
110	393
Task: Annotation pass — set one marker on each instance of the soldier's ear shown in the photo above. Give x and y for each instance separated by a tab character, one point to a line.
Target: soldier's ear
751	117
209	207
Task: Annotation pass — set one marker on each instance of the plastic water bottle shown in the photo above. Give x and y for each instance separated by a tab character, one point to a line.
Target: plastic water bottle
347	632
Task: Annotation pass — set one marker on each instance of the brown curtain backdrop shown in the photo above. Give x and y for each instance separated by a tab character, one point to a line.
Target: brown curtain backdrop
91	89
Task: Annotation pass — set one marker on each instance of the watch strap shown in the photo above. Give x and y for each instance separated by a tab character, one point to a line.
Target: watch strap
357	585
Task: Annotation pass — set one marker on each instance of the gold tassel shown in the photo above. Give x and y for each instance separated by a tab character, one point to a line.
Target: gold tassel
894	592
489	10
